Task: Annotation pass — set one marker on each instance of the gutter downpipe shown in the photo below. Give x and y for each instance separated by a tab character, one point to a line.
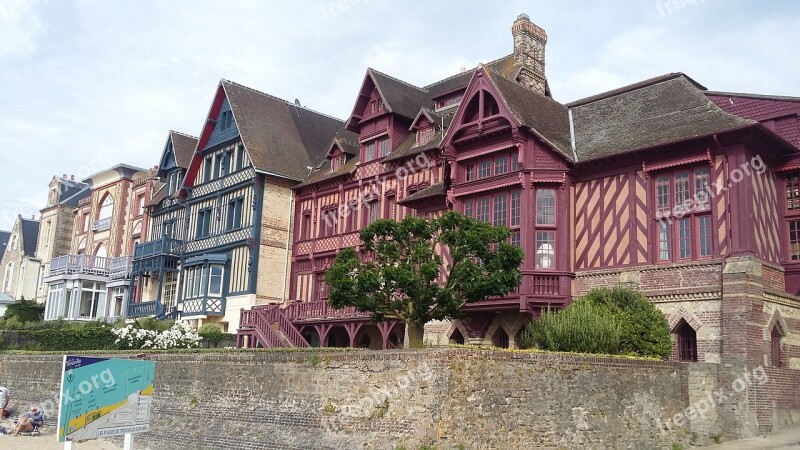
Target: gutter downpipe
572	135
288	238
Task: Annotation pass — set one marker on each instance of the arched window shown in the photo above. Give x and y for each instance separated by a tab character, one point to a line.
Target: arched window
14	243
472	113
53	196
775	346
500	338
490	107
100	251
106	208
687	342
8	276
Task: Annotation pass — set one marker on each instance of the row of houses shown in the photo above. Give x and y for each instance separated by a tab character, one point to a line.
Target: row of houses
690	195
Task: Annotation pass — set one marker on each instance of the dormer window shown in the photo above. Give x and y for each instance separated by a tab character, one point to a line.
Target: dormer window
424	135
337	162
449	101
376	106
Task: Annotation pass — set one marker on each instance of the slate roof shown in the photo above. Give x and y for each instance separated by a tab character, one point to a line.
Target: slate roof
542	115
184	147
323	172
347	141
658	111
30	236
158	196
436	190
505	66
280	137
5	236
401	97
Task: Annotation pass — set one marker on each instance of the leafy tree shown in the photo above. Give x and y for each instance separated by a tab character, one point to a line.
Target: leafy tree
25	311
583	327
645	331
400	278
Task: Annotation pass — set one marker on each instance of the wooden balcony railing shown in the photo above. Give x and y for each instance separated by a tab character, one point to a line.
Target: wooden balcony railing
303	311
163	246
102	224
325	244
79	264
120	268
144	309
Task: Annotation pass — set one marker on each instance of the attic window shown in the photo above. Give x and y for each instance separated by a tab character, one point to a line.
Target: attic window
449	101
225	120
376	106
337	162
424	135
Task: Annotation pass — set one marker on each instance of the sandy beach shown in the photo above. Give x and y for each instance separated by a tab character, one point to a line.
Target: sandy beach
47	441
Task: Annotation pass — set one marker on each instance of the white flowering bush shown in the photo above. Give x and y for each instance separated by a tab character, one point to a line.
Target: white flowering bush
180	335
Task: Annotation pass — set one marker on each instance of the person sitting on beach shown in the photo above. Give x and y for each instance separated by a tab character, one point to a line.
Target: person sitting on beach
5	395
29	420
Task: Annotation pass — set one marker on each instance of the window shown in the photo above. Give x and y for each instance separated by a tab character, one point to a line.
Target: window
215	280
85	223
383	146
305	226
336	162
471	172
329	221
515	161
515	238
683	203
469	209
220	164
501	165
352	215
8	277
793	191
449	101
545	207
234	216
240	157
373	211
687	342
424	135
483	210
140	204
484	169
663	241
545	249
225	120
168	229
391	207
369	151
794	240
500	210
775	346
208	169
169	299
106	208
203	229
48	231
93	295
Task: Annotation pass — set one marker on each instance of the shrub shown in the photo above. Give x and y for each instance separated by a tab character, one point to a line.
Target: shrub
64	336
583	327
13	323
25	311
150	323
645	331
211	334
180	335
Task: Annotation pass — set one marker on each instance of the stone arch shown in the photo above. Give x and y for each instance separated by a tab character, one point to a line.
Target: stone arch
456	329
509	323
689	317
775	319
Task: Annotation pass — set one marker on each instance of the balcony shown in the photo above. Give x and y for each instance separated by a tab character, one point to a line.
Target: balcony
163	246
79	264
144	309
321	310
102	224
327	244
205	306
120	268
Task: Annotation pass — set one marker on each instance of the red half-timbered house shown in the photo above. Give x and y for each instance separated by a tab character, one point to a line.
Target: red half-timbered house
689	195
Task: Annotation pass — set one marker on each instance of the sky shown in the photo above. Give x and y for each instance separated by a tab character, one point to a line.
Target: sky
88	84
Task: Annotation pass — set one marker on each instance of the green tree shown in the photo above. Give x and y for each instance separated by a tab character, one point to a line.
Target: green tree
25	311
400	278
645	331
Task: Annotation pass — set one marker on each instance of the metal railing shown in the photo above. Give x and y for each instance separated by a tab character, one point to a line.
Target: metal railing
163	246
80	264
120	268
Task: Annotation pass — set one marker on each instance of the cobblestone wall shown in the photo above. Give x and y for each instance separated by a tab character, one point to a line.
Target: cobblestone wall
450	398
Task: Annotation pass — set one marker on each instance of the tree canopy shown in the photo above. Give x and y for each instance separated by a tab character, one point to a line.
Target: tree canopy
404	276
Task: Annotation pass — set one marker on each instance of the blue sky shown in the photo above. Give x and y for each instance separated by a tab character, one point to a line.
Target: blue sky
88	84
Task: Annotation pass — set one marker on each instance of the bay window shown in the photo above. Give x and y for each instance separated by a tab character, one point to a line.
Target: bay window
683	214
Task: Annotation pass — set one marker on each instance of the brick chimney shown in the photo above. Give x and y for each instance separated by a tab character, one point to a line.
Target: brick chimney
529	42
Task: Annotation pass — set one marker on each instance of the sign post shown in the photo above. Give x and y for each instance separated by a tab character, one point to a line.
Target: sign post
104	397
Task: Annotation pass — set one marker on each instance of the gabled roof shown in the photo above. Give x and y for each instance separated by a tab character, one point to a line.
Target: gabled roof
71	192
409	147
184	146
432	116
400	97
784	98
542	115
430	192
280	137
654	112
30	236
347	141
505	66
5	236
635	86
323	171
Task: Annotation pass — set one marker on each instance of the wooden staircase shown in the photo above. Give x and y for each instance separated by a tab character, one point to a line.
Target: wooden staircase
268	327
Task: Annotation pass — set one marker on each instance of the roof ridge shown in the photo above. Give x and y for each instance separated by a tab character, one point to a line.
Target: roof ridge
462	73
398	80
631	87
183	134
761	96
282	100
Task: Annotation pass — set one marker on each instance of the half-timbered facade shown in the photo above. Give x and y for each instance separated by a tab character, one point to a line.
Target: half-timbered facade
684	193
91	281
222	224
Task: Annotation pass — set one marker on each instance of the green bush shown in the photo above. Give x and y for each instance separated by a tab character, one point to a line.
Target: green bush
211	334
645	331
13	323
71	337
583	327
25	311
149	323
